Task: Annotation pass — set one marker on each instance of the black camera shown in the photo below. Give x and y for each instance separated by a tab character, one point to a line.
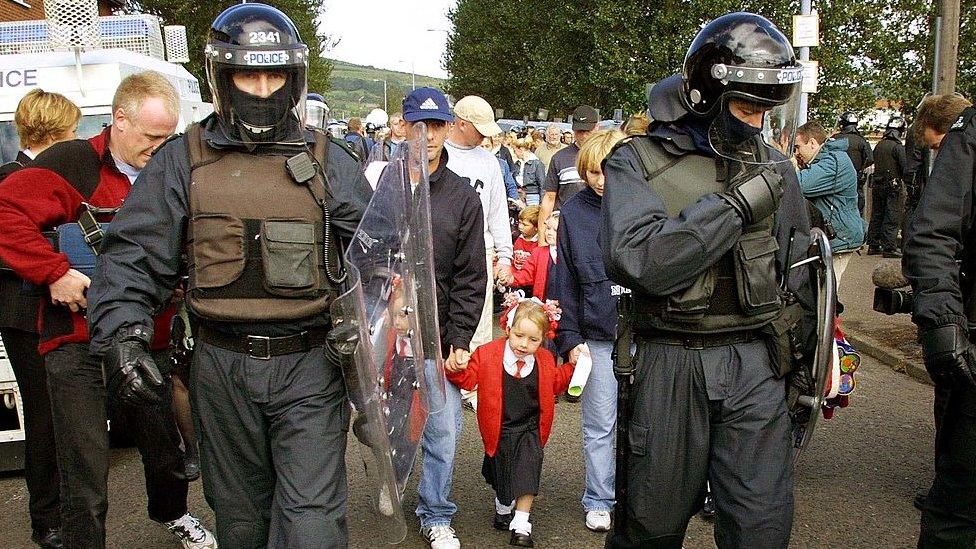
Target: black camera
893	302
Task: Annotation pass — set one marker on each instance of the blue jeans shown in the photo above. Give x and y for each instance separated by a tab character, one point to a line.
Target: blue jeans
599	423
439	445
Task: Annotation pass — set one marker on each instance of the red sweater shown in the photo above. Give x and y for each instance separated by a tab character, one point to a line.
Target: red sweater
535	272
485	372
521	244
50	193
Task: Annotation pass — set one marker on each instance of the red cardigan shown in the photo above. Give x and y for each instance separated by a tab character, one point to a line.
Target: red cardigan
535	272
50	193
525	245
485	372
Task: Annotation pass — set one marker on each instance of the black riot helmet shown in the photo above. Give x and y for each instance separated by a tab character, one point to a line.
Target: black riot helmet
896	126
254	38
848	119
740	55
743	59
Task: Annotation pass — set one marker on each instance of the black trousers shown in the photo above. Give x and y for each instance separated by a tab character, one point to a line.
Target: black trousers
78	405
272	446
715	415
886	212
949	511
40	451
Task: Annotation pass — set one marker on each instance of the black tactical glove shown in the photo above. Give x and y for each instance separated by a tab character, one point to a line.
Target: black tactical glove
133	377
756	198
948	355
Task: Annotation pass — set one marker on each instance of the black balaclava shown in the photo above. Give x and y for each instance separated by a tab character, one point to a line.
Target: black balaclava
732	130
252	113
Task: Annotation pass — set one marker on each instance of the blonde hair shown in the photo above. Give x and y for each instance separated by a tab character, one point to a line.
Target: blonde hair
534	313
530	214
136	88
598	145
42	117
636	124
526	143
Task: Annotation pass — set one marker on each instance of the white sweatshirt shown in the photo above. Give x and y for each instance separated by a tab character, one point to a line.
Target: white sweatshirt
481	169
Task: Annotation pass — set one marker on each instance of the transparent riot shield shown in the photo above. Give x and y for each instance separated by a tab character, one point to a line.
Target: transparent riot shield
379	335
422	257
808	382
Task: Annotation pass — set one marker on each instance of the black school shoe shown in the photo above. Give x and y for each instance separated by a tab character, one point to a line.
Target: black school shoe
521	540
48	539
501	522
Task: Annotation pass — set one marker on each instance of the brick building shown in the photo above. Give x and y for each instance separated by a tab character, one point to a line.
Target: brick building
23	10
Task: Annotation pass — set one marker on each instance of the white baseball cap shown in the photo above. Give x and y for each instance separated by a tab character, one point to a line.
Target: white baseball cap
476	110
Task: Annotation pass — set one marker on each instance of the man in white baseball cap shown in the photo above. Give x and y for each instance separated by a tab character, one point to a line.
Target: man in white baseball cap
474	119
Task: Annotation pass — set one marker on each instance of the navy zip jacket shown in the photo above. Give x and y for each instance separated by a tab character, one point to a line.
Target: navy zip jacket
578	279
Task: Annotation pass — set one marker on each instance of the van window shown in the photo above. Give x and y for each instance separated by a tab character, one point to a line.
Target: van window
89	125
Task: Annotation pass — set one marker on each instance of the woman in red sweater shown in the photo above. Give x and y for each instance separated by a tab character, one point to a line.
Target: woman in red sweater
517	382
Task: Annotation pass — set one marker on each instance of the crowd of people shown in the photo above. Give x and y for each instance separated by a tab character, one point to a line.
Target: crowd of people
655	257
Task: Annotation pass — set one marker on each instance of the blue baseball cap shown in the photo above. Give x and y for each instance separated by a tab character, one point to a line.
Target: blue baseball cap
426	104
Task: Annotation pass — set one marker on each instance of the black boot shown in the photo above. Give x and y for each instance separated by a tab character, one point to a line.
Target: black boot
48	539
501	522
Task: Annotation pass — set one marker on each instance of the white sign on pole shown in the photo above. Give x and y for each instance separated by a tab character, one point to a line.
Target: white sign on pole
811	76
806	30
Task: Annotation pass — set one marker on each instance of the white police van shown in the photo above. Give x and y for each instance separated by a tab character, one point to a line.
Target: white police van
84	57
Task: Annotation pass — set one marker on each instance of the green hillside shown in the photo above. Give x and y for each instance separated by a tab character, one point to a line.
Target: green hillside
357	89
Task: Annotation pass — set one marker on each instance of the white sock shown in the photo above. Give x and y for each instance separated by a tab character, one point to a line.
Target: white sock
503	509
520	523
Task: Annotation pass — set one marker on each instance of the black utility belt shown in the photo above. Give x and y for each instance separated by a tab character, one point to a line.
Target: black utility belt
264	347
698	341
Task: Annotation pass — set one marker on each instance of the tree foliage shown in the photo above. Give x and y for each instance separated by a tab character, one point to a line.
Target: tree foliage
197	17
526	55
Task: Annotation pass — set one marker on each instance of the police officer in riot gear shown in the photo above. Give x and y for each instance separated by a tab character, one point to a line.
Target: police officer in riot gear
697	219
939	262
859	150
887	185
258	233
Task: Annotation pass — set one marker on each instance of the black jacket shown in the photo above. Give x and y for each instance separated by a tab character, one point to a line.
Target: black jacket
459	255
858	149
941	231
652	253
141	259
579	280
890	161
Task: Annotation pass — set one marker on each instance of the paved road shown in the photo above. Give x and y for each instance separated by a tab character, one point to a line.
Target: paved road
854	488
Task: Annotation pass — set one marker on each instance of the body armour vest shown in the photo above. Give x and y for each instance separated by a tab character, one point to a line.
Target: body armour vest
885	165
255	236
738	293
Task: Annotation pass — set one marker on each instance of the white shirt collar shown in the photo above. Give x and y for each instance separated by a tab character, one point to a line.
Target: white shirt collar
552	252
509	362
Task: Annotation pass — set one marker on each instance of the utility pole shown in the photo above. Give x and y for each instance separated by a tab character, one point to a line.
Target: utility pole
947	46
801	118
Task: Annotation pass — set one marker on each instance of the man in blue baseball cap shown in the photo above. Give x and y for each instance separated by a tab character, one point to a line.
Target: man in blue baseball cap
461	275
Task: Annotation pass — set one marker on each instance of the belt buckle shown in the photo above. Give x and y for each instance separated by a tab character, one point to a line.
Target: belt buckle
259	340
695	343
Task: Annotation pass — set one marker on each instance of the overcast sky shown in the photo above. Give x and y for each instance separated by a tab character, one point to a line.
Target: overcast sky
389	34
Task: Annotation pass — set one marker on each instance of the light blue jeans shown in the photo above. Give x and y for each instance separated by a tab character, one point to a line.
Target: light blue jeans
439	445
599	424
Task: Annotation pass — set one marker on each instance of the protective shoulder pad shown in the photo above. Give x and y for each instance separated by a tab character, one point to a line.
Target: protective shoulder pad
964	119
173	137
345	146
76	161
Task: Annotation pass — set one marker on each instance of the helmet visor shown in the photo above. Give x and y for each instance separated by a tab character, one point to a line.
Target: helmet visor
316	114
750	130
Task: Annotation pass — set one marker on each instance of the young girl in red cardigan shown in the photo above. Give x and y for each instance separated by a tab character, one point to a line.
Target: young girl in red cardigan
517	382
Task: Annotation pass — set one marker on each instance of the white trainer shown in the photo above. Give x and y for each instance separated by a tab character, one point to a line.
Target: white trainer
191	533
598	521
469	399
441	537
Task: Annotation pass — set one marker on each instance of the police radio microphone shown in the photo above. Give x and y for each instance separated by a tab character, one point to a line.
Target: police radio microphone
301	168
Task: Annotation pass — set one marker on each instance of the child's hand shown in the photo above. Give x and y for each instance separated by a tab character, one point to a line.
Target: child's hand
576	352
457	360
